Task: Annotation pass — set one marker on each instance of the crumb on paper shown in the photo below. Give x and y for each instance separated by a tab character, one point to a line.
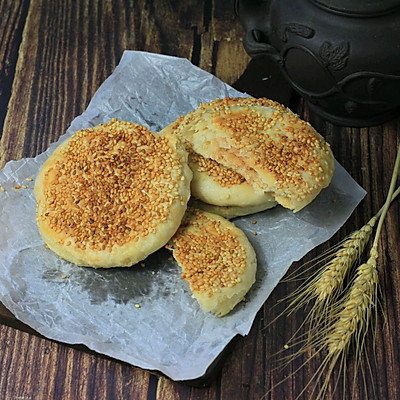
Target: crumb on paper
17	187
142	264
2	189
25	186
64	277
254	222
29	179
137	305
254	233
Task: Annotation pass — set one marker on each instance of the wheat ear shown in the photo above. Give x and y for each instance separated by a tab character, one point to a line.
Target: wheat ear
356	307
327	282
324	287
330	280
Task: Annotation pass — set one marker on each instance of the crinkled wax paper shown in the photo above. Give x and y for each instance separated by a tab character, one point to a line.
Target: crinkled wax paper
99	308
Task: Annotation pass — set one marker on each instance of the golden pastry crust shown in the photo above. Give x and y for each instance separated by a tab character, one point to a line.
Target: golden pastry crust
112	194
266	143
216	259
230	212
216	184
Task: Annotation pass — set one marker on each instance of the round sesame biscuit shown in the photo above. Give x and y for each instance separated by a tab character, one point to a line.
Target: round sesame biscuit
218	185
216	259
266	143
112	194
230	212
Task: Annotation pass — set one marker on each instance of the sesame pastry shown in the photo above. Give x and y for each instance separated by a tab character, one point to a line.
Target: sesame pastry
112	194
218	185
230	212
266	143
216	259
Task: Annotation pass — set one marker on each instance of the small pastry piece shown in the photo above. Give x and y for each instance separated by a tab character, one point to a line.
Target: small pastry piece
266	143
216	184
112	194
216	259
230	212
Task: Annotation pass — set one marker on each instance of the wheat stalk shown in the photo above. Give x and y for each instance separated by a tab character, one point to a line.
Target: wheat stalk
326	284
353	318
330	280
335	324
362	293
325	287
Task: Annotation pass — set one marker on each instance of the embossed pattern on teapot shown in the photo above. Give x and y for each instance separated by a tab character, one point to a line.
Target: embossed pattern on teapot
342	56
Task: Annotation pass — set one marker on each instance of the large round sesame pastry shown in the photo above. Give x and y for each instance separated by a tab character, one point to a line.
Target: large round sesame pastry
112	194
216	259
216	184
230	212
266	143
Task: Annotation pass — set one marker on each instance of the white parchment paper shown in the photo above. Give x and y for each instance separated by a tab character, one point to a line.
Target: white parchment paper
99	308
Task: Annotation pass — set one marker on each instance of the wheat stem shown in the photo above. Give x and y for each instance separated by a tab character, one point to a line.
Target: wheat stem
389	197
394	195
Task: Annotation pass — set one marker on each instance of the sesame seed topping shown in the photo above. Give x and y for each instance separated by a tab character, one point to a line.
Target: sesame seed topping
111	184
266	143
210	255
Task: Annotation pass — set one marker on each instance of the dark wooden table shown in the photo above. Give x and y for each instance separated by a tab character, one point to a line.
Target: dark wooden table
53	57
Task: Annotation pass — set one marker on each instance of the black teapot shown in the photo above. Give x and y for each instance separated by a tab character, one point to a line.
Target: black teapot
342	56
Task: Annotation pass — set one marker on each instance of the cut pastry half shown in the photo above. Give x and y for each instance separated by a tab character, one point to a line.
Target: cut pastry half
216	184
266	143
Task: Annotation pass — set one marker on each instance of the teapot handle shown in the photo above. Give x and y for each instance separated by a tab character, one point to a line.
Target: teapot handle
255	45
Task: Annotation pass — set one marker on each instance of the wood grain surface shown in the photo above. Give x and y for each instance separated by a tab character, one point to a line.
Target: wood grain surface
53	57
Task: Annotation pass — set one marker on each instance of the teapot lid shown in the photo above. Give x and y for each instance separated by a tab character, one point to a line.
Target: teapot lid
365	8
